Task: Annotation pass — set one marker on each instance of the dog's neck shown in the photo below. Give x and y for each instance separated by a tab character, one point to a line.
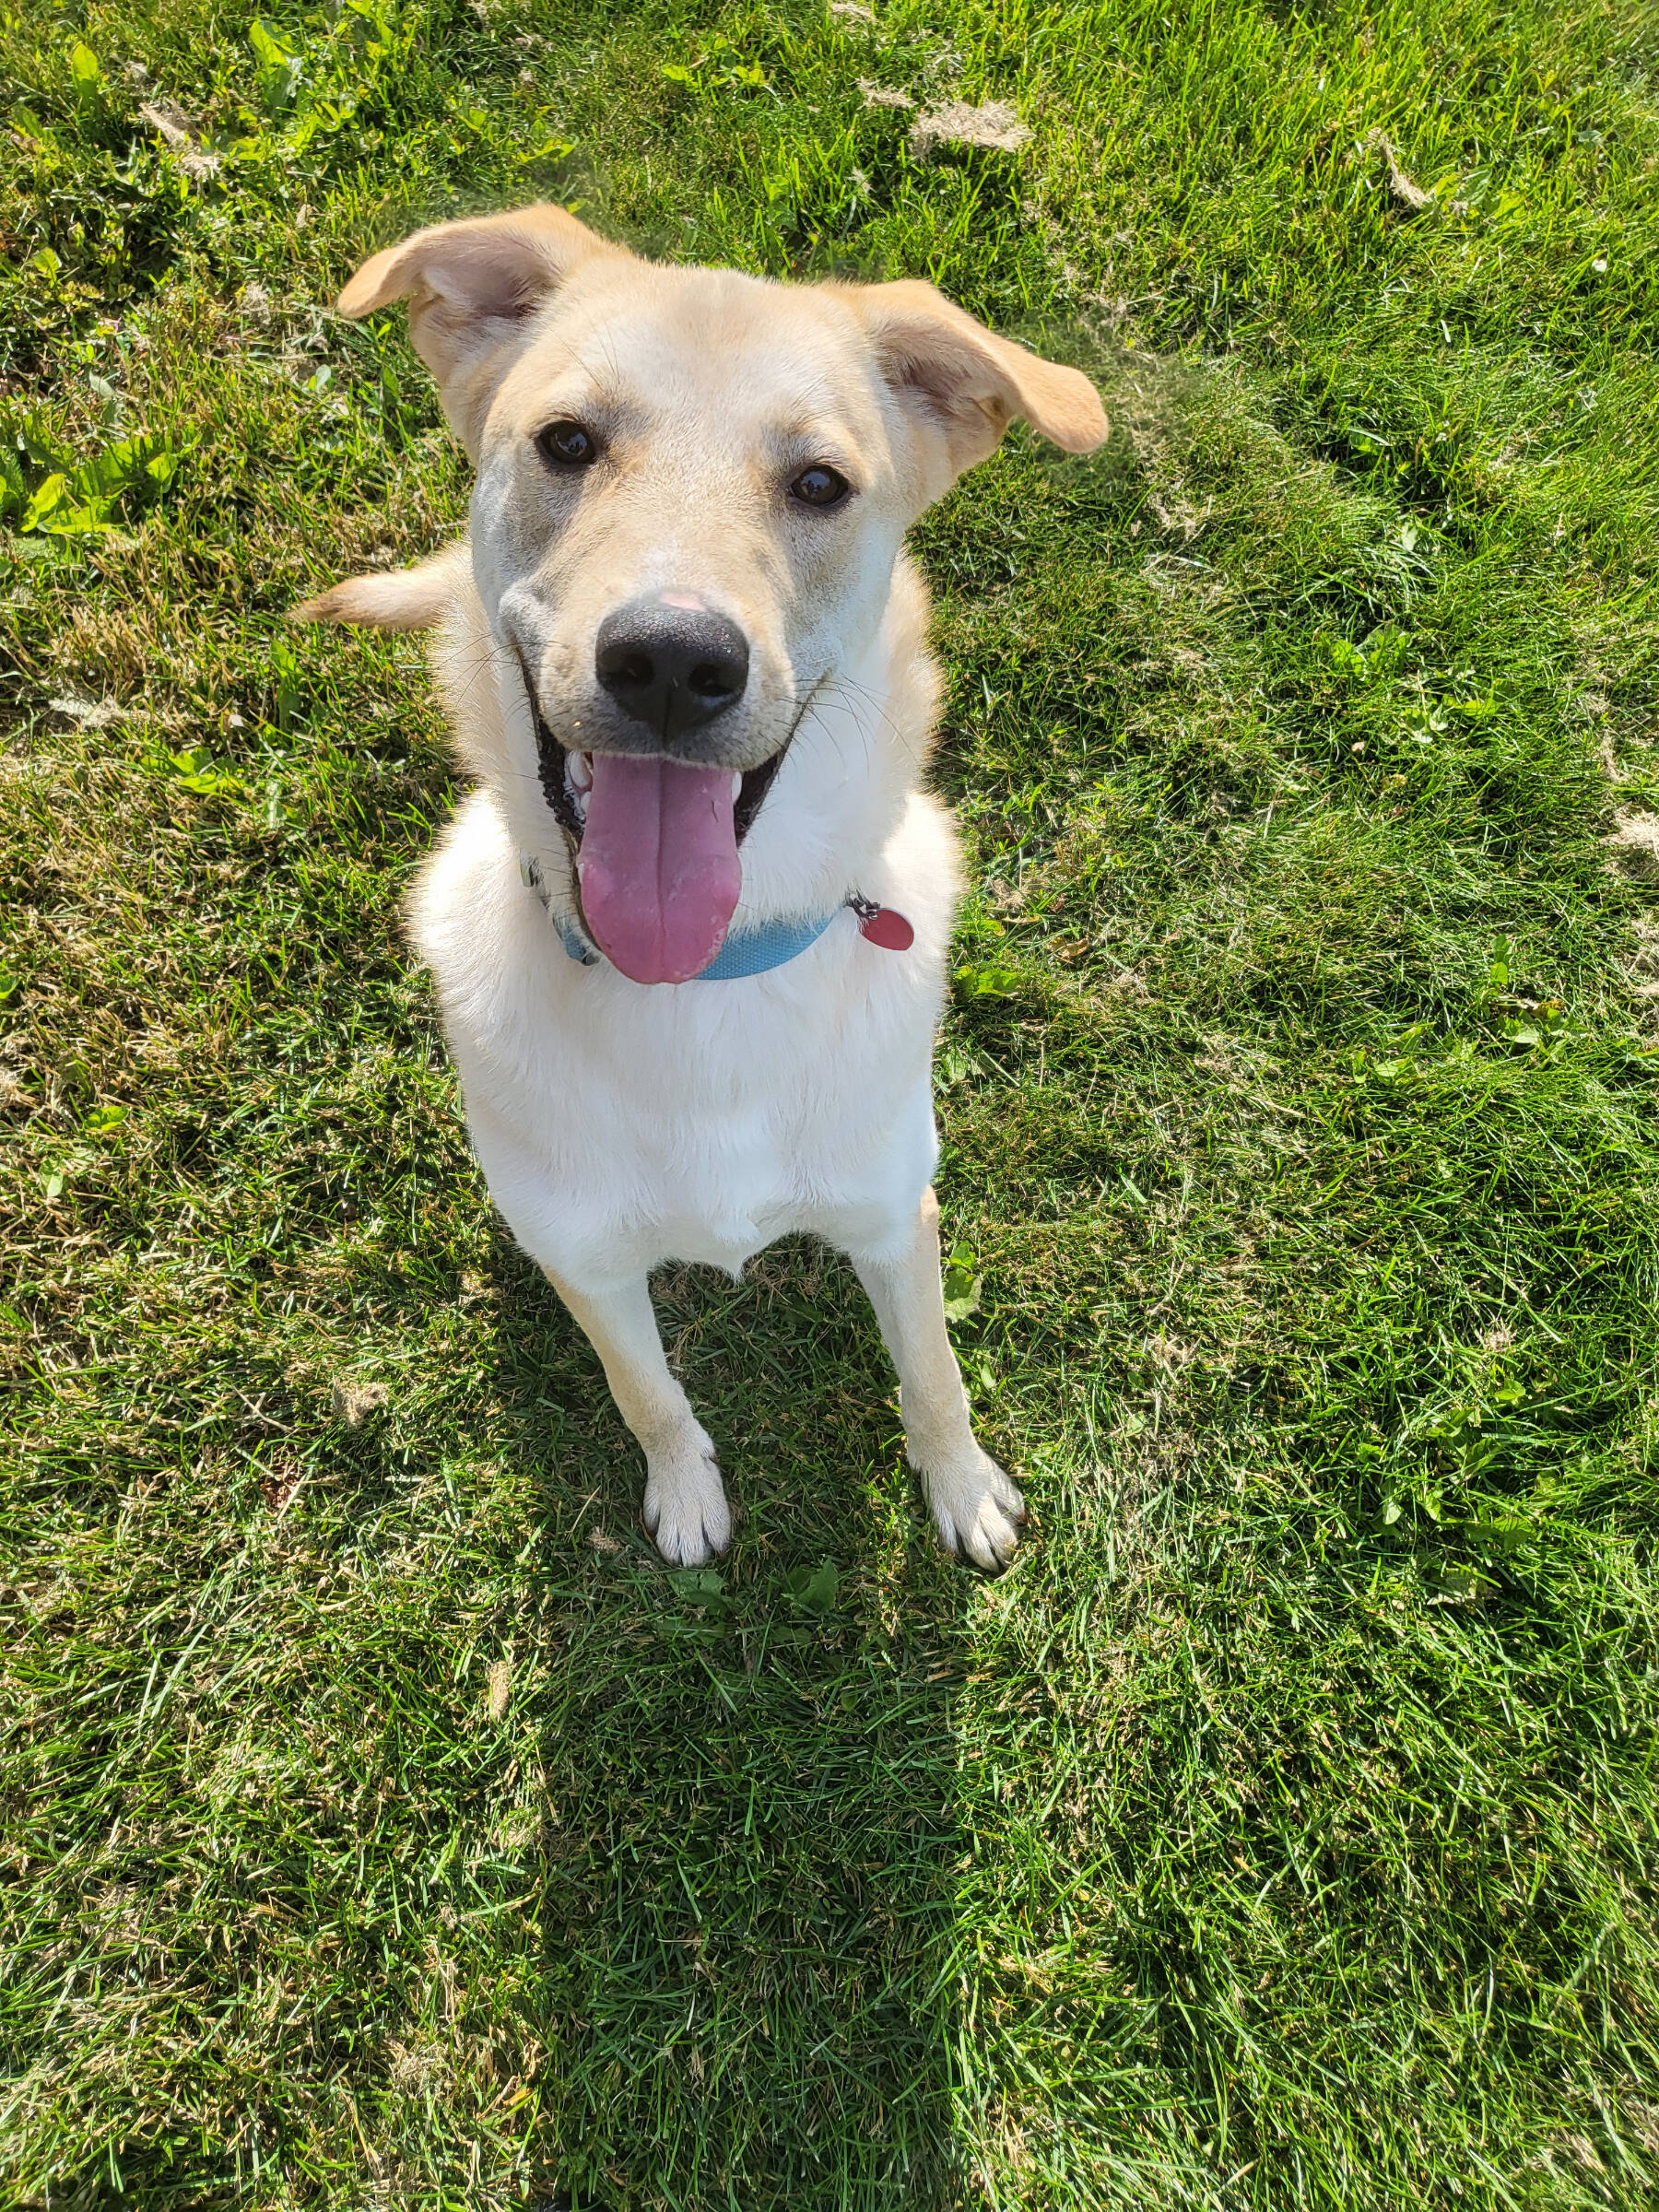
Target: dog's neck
839	795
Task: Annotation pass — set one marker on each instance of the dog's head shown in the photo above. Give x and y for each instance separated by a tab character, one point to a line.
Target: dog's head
692	486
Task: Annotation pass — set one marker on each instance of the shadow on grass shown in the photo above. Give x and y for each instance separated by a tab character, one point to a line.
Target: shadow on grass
746	1985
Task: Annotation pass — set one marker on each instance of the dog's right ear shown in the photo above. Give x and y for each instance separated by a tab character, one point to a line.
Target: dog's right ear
961	386
473	290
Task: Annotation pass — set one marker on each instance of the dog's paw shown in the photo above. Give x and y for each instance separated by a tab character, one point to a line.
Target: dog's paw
978	1509
687	1515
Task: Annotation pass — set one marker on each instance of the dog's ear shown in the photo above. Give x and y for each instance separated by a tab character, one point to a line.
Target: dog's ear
964	383
474	289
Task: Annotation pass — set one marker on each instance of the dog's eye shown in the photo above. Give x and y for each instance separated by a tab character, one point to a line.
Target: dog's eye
819	486
567	446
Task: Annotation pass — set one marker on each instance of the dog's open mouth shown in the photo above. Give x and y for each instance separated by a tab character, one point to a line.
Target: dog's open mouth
655	848
577	770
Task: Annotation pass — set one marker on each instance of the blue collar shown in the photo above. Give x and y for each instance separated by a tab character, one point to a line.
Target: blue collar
745	952
751	951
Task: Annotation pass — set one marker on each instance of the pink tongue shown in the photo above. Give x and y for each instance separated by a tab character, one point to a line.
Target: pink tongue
659	867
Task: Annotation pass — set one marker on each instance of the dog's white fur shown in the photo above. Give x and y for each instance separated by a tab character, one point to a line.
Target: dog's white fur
620	1124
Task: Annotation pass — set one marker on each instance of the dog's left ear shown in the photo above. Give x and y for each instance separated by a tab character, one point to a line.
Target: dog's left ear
474	289
964	383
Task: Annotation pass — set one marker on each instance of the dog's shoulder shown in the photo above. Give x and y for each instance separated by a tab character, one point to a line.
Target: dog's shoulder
469	917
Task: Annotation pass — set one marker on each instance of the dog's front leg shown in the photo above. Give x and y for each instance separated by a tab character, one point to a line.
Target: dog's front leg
686	1508
977	1508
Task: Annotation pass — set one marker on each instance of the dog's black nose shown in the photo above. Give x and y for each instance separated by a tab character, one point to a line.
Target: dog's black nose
671	667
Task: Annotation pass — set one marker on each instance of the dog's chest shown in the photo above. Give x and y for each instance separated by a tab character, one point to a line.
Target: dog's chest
618	1125
703	1124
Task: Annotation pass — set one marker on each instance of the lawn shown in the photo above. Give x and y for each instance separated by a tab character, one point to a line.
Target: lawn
380	1824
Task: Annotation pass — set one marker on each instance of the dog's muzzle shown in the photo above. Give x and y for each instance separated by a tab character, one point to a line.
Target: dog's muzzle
565	775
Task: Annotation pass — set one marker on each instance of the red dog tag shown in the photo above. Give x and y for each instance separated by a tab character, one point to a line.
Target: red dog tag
884	925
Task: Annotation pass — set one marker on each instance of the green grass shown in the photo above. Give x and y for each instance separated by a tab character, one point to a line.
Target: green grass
380	1825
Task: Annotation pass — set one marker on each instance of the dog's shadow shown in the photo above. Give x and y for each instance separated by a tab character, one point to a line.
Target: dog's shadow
746	1988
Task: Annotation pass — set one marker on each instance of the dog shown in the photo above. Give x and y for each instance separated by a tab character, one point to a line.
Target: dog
689	931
